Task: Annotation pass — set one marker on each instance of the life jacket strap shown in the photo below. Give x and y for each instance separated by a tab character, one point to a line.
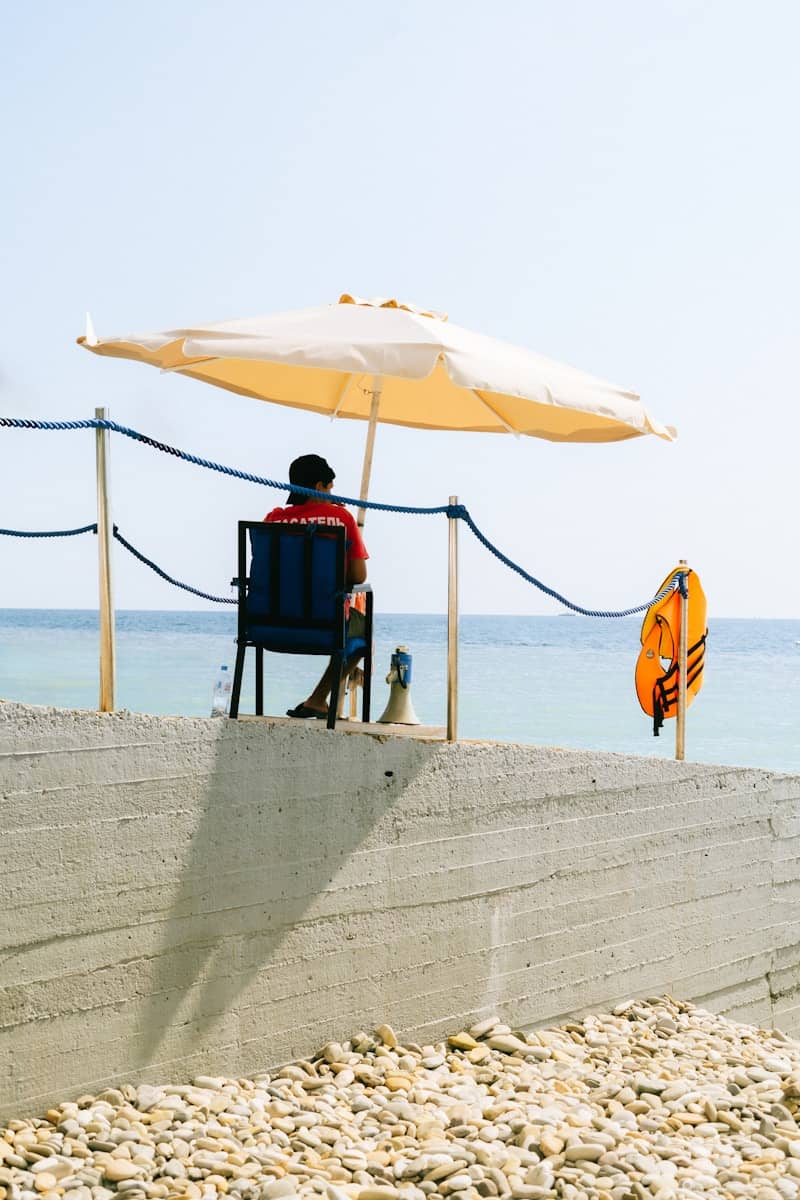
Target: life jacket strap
664	697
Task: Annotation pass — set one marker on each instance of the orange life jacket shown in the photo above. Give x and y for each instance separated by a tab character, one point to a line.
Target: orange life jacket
657	684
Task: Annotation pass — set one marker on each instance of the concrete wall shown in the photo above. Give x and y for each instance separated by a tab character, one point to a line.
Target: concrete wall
179	895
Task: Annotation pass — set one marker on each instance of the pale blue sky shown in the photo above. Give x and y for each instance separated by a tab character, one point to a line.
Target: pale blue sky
614	185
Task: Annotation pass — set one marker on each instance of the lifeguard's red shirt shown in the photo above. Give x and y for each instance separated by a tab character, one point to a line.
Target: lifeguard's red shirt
322	512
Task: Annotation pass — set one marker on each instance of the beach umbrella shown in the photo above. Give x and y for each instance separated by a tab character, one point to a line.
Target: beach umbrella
381	360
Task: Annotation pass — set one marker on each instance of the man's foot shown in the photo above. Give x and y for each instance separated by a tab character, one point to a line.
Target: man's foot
304	712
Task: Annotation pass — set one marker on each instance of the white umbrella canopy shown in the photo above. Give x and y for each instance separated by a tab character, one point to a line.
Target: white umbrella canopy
380	360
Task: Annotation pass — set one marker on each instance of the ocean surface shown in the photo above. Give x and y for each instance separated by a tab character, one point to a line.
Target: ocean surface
555	681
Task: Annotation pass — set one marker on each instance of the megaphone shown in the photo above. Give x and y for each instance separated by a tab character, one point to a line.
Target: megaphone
399	710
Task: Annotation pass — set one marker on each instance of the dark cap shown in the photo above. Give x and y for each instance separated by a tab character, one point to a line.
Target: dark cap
307	471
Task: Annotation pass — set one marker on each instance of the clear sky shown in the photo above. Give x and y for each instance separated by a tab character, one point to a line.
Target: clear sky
614	185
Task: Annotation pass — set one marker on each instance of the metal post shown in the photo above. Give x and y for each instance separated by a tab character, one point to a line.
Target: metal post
683	647
108	655
377	388
452	625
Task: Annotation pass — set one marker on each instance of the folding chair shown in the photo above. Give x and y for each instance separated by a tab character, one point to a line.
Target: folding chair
291	600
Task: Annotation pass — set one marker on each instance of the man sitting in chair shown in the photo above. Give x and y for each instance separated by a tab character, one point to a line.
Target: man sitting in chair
312	471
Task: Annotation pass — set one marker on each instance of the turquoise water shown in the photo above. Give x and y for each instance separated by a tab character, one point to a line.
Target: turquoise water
560	681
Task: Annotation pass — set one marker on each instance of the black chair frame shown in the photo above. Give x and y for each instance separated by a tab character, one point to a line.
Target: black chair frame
280	624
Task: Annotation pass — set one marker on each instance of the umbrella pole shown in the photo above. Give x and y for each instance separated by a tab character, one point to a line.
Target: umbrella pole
683	655
104	535
377	388
452	625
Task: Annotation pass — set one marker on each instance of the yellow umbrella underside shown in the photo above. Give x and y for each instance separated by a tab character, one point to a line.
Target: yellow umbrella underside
434	402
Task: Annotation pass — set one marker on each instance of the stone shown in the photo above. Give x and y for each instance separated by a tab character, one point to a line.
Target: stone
455	1183
550	1143
117	1169
478	1054
584	1151
507	1043
462	1041
481	1028
277	1189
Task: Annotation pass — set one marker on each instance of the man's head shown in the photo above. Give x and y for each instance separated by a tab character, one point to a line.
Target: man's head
309	471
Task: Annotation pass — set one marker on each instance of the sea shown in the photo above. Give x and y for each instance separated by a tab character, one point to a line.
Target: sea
551	681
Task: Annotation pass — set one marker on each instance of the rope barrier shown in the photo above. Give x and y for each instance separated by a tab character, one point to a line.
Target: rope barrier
452	511
210	465
586	612
148	562
45	533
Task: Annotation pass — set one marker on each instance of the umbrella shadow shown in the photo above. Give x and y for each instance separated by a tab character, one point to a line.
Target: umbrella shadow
263	857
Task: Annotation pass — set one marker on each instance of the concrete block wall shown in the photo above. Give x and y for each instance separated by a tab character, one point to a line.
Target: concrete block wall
181	896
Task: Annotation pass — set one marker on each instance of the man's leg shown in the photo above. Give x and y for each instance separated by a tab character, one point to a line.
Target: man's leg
318	700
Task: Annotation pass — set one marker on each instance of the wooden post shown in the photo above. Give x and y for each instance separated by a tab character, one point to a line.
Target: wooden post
452	625
108	665
377	388
683	647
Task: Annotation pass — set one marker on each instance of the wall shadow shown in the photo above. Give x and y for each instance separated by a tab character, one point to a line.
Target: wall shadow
285	809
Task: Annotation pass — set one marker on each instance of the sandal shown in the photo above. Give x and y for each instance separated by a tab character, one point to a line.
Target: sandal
306	713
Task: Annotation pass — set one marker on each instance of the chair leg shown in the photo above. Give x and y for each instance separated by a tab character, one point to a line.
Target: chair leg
238	671
366	694
338	663
259	681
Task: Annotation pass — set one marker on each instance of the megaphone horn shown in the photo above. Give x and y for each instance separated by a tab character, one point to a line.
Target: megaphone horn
399	710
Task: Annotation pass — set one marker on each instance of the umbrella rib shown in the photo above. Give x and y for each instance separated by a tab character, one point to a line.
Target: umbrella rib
496	413
190	362
342	394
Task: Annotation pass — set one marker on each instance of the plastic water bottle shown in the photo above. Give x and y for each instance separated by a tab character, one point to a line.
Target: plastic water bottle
222	693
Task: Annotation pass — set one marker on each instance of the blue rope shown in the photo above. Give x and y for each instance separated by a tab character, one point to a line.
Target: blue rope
100	423
47	533
453	511
148	562
460	511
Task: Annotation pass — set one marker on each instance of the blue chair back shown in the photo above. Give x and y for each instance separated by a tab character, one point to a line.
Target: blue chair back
292	592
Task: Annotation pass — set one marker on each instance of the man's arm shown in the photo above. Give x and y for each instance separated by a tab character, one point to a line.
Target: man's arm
357	571
356	552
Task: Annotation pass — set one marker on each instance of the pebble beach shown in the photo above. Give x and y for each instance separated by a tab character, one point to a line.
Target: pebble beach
656	1099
